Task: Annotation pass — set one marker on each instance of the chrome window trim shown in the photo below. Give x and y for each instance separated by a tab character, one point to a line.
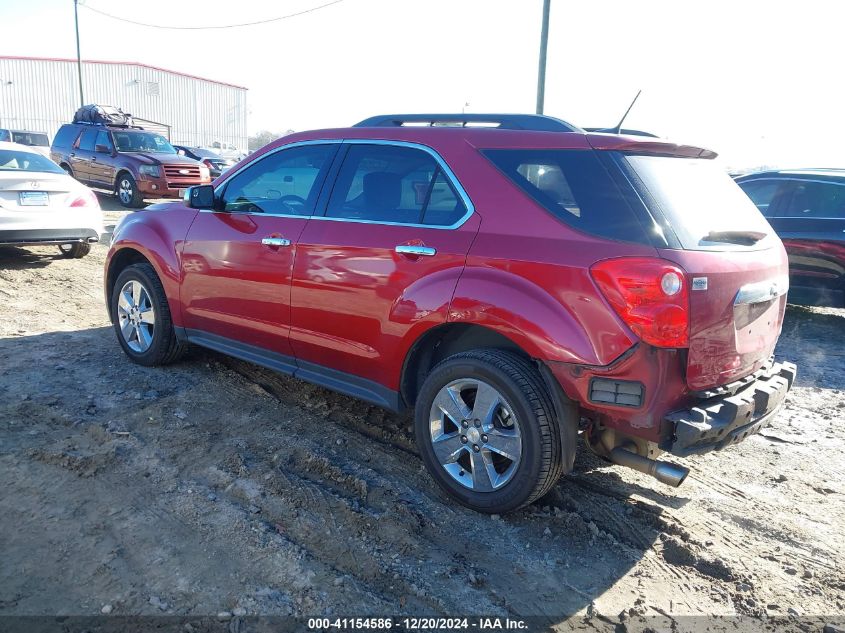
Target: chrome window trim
447	171
794	179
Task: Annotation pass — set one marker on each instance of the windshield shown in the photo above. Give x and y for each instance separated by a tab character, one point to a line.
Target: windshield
701	203
11	160
147	142
31	138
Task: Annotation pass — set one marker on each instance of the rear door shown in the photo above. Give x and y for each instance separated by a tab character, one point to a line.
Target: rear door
82	154
237	261
736	265
384	258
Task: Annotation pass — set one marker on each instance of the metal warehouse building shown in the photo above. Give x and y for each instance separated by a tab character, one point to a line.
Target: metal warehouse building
41	94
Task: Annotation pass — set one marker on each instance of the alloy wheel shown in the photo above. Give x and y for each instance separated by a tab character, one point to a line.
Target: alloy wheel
136	316
475	434
124	191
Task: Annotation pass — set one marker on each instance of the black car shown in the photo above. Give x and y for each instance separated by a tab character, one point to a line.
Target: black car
806	207
215	163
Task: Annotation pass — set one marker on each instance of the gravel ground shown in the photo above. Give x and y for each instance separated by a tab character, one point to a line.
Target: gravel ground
216	486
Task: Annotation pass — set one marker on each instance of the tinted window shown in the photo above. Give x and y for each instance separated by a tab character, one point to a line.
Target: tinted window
702	205
762	193
286	182
385	183
4	135
86	143
575	187
31	139
65	136
816	200
11	160
103	139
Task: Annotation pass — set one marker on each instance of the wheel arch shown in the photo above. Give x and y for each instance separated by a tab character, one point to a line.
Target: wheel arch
119	261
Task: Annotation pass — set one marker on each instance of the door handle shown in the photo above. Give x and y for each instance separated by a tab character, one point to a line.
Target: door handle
413	249
275	241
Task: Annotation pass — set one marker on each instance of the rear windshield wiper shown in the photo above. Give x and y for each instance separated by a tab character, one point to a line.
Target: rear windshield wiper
746	238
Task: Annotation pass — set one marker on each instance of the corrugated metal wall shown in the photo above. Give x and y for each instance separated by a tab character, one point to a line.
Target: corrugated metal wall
41	94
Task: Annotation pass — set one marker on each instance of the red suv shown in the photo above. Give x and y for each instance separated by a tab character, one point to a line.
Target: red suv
510	278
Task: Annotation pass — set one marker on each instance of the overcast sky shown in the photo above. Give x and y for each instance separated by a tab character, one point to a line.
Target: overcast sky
757	81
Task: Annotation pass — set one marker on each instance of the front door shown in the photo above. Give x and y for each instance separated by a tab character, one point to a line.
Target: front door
237	261
81	154
383	259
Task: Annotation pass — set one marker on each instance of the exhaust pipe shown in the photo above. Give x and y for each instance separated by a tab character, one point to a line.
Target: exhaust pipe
664	472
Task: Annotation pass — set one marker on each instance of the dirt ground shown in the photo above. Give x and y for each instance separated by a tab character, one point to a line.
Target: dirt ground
216	486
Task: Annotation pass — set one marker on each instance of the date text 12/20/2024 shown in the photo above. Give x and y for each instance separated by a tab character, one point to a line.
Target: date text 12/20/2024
416	624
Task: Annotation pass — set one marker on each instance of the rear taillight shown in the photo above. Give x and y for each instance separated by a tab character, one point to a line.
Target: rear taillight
650	295
86	199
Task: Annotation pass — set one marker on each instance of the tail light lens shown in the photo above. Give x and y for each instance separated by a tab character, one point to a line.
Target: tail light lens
86	199
650	295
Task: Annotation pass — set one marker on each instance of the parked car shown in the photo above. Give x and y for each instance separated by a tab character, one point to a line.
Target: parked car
40	204
128	161
511	285
806	207
216	164
38	141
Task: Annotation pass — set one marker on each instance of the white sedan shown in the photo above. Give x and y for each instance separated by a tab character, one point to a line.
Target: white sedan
41	204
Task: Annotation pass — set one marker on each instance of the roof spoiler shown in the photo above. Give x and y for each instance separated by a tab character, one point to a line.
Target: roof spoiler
636	146
533	122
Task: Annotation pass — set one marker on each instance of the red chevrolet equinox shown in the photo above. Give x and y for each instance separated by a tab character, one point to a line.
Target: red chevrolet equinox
511	279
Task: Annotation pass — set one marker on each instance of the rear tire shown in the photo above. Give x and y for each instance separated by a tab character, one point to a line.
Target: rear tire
127	192
141	318
74	250
511	458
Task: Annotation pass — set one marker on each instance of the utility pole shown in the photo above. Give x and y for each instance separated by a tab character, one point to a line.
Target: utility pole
541	72
78	54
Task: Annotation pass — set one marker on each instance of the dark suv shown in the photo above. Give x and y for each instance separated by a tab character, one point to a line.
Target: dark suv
129	161
511	284
806	207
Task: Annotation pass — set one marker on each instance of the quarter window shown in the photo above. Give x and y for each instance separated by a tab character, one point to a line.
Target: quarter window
286	182
816	200
387	183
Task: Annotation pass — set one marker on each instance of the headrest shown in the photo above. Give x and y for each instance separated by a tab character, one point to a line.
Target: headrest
382	191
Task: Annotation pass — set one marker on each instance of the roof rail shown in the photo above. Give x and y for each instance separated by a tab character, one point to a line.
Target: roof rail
121	125
535	122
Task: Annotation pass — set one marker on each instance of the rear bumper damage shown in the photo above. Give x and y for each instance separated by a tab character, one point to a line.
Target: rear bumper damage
723	419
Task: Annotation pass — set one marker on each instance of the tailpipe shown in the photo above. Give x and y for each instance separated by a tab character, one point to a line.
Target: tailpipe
664	472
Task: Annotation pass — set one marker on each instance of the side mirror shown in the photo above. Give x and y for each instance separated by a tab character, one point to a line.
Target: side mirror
200	197
102	149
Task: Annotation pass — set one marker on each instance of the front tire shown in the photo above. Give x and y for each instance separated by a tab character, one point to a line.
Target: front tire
486	430
141	317
74	250
127	192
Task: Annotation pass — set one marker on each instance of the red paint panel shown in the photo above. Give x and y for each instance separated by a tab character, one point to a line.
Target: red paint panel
357	305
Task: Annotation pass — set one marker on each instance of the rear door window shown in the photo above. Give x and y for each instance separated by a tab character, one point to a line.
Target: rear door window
87	141
575	187
815	200
762	194
394	184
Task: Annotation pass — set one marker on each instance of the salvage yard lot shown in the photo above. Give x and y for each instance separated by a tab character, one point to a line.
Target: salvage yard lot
214	485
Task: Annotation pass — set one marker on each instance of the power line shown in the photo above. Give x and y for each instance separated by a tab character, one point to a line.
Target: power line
219	26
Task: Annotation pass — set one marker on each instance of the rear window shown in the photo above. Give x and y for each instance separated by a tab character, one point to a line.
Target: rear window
575	187
700	202
13	160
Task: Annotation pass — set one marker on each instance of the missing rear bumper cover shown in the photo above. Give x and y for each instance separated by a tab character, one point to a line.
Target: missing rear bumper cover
724	420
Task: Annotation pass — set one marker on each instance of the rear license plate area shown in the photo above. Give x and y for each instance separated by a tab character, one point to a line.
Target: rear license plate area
34	198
